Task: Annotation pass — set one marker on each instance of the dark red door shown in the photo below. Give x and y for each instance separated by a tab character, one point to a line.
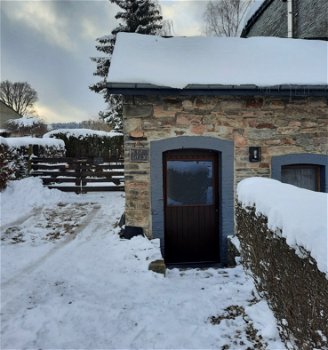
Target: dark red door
191	206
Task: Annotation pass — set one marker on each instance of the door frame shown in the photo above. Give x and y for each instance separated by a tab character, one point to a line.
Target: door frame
225	150
191	154
277	162
315	167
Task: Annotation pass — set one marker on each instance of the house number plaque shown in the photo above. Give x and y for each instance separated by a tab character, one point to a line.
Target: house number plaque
139	155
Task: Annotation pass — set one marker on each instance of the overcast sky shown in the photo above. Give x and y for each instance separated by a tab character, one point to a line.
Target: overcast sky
49	44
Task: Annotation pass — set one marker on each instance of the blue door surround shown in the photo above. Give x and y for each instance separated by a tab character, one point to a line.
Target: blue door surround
225	151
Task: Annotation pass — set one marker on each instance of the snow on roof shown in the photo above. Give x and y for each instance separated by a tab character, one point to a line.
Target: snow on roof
80	133
300	214
16	142
25	122
180	61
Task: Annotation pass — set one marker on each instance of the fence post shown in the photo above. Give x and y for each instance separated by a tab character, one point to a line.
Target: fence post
29	161
83	169
78	176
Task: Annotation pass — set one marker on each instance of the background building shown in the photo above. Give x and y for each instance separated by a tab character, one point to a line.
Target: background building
308	19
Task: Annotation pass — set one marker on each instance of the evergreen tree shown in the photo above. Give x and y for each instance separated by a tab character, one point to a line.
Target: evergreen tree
137	16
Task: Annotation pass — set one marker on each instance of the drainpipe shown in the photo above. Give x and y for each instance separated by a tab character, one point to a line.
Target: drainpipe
290	18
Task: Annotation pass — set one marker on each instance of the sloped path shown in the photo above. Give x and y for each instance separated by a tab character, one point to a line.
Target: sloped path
84	287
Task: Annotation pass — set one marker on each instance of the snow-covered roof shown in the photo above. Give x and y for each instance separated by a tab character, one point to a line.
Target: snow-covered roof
25	121
81	133
185	62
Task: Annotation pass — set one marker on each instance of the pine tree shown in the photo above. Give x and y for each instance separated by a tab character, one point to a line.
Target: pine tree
137	16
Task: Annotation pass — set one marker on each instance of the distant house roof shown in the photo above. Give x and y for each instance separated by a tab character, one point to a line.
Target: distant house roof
151	63
7	113
315	30
259	7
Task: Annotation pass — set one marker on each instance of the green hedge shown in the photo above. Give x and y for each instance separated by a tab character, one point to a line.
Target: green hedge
296	290
92	146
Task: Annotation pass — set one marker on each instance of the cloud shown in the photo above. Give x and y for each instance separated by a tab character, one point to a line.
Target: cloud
92	26
49	44
89	29
62	112
42	17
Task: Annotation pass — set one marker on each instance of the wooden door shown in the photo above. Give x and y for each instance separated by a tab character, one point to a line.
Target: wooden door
191	206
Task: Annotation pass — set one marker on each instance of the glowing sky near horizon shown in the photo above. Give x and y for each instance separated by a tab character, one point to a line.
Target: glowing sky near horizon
49	44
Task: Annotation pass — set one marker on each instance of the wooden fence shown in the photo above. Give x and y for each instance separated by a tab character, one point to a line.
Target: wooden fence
79	175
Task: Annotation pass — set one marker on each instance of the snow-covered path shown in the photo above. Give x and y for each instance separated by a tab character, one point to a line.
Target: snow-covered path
88	289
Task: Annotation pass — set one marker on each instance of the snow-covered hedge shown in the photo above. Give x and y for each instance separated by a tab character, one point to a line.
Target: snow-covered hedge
15	153
81	133
25	142
89	143
283	235
299	214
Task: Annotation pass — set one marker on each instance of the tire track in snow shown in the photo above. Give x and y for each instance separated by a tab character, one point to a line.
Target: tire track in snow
26	271
34	213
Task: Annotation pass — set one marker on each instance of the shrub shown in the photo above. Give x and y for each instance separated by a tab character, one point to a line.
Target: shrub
15	154
296	290
90	143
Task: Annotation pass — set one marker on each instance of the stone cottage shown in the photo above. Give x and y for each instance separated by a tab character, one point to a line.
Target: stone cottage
200	114
305	19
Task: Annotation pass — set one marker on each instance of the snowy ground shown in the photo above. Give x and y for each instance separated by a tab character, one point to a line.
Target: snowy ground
69	282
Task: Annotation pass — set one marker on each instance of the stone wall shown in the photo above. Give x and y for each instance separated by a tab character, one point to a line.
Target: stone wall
278	125
296	290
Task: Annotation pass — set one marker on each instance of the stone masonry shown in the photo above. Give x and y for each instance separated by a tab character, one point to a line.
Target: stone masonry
278	125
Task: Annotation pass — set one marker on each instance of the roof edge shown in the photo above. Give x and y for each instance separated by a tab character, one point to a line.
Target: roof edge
220	90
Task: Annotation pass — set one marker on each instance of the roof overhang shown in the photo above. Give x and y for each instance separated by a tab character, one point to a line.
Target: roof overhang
129	89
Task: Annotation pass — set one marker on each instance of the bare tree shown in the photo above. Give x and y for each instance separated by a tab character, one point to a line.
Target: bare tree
225	17
20	96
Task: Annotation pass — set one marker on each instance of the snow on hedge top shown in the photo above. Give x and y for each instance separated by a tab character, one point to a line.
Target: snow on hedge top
300	214
16	142
81	133
177	62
